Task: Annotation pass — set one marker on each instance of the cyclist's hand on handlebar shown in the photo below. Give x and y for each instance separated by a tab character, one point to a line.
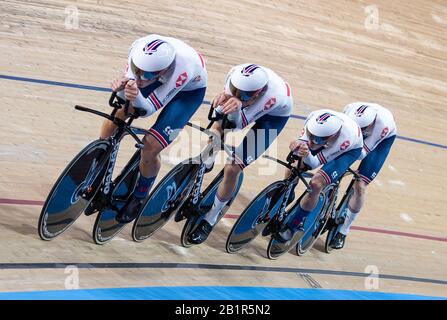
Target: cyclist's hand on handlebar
300	148
131	90
231	105
119	83
219	99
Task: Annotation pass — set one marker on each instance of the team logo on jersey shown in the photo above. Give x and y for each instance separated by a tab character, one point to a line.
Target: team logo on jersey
345	145
181	80
168	131
360	111
334	175
270	103
323	118
197	79
384	132
248	70
151	47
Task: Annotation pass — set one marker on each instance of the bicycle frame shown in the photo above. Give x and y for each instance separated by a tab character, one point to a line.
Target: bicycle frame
291	182
347	193
124	128
216	141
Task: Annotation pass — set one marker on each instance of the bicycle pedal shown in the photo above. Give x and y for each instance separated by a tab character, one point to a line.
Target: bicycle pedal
179	217
90	211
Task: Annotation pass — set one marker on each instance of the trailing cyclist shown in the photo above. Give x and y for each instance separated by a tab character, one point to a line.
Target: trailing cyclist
379	132
329	139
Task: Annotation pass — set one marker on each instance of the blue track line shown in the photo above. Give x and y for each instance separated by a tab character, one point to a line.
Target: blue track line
207	293
102	89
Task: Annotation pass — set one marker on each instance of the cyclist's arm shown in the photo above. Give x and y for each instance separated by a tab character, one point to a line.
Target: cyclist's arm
311	161
161	96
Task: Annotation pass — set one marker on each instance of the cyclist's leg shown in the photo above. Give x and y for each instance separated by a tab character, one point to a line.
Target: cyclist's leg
328	174
108	127
169	123
255	143
171	120
368	170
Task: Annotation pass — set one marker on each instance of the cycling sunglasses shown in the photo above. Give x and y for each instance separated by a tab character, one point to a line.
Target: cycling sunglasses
243	95
317	140
144	75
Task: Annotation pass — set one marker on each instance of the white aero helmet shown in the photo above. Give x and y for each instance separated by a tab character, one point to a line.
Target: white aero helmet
247	81
364	115
322	125
150	58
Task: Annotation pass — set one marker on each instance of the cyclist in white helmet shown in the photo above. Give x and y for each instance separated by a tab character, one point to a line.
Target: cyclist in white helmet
379	132
329	139
252	95
161	73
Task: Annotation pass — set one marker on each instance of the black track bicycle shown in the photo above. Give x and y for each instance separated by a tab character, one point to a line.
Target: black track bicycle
267	214
180	193
337	216
267	211
322	218
86	183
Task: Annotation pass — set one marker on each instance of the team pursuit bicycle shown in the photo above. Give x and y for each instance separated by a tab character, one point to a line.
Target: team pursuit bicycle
86	183
179	193
267	214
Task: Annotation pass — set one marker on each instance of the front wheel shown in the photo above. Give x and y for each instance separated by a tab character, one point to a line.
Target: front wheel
74	189
255	217
316	221
164	200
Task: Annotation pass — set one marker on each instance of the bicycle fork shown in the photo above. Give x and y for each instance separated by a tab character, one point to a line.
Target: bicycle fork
280	216
93	174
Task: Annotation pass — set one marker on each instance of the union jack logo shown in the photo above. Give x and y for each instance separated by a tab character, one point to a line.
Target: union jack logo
248	70
151	47
323	118
360	111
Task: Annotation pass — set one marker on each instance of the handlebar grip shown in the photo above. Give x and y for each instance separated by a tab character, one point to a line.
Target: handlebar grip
210	114
225	122
80	108
292	157
126	107
300	162
112	97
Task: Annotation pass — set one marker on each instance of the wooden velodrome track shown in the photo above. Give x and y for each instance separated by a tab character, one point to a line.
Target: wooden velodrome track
329	57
